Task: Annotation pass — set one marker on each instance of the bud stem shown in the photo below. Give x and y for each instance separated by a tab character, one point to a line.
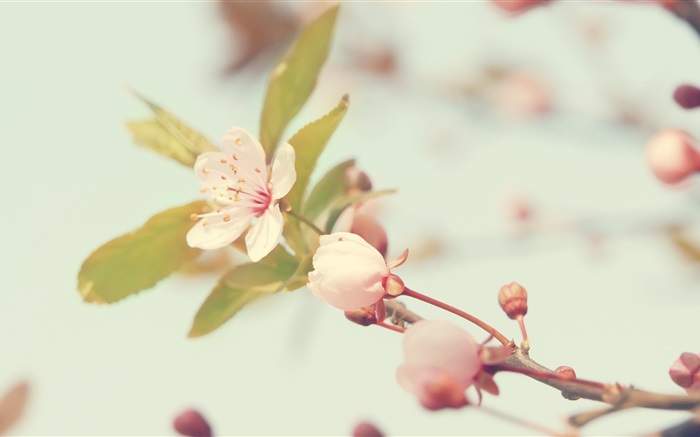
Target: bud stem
481	324
521	322
391	327
304	220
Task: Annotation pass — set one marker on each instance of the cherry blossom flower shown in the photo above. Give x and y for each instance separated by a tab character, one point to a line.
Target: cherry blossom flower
441	361
238	181
349	273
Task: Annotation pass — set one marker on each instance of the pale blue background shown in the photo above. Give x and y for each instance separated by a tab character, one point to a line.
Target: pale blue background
621	311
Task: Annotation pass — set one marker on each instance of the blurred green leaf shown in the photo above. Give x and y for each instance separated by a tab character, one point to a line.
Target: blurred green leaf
240	286
341	204
294	79
333	185
167	135
300	276
308	144
294	236
138	260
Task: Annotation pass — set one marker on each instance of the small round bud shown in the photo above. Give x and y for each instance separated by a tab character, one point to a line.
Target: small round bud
672	156
685	371
513	300
365	429
565	372
192	424
687	96
364	316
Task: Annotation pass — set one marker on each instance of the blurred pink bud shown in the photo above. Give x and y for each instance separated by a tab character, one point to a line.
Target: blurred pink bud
358	181
672	156
369	228
517	6
441	361
348	272
685	371
365	429
513	300
687	96
364	316
191	423
522	95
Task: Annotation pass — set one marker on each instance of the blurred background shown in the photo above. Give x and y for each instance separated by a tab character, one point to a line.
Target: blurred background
516	144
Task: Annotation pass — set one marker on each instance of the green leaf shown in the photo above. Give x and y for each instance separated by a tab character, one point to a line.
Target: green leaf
167	135
341	204
333	185
240	286
294	78
300	276
308	144
138	260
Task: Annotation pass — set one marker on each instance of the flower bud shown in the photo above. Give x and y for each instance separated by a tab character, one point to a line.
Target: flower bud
365	429
441	361
371	231
192	424
565	372
517	6
348	272
685	371
513	300
672	156
364	316
687	96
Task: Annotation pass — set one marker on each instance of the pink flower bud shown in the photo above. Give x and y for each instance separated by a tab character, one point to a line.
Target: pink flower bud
513	300
685	371
517	6
672	156
441	361
348	272
371	231
687	96
191	423
365	429
565	372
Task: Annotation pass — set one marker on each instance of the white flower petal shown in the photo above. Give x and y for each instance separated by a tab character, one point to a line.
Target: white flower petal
265	234
218	229
247	155
283	173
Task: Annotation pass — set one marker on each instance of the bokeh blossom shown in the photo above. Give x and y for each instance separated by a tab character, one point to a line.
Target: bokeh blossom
238	181
441	361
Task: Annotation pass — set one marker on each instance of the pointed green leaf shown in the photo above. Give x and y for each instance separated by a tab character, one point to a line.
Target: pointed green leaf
333	185
341	204
308	144
300	276
294	78
167	135
240	286
138	260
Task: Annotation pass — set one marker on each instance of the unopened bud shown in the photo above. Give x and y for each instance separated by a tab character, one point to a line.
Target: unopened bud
192	424
687	96
565	372
672	156
364	316
685	371
513	300
358	181
371	230
365	429
517	6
